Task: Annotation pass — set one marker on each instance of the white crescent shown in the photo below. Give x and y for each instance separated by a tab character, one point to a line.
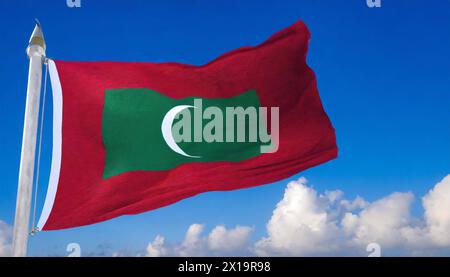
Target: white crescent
166	129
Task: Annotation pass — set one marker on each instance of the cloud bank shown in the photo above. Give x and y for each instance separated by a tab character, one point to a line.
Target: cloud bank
306	223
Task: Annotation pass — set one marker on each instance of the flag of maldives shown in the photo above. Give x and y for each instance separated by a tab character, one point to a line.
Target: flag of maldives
131	137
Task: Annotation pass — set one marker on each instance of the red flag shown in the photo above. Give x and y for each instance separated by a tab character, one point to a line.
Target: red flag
112	153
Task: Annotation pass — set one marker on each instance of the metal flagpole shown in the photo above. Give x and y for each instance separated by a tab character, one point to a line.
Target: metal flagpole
36	54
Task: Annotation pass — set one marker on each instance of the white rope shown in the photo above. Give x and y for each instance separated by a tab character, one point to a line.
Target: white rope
34	229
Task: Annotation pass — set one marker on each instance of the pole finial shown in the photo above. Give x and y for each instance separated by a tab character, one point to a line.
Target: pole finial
37	37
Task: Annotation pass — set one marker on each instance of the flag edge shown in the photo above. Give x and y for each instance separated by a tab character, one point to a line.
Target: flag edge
57	145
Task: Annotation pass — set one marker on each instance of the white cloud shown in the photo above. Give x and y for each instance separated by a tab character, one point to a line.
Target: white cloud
306	223
381	222
219	241
300	224
5	239
157	248
193	243
437	213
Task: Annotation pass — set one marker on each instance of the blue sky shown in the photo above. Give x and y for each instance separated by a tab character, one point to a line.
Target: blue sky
383	75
